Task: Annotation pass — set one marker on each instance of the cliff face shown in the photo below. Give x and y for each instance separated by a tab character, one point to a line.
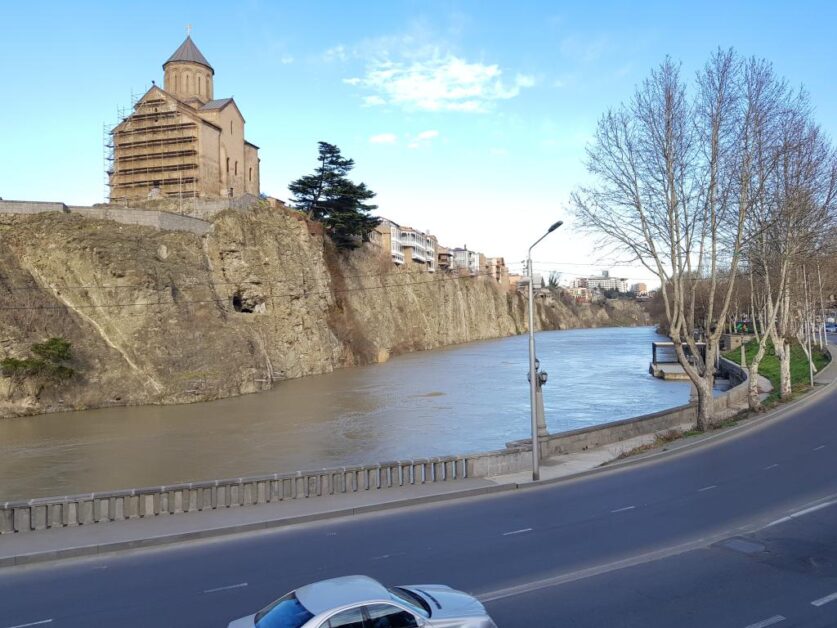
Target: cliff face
165	317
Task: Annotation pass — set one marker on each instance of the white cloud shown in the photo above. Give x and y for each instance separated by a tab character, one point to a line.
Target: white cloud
352	81
336	53
427	135
373	101
438	82
383	138
286	59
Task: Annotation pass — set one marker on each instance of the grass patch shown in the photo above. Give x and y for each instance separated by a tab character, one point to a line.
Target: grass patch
769	366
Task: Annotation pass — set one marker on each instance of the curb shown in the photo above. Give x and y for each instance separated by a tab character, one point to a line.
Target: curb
197	535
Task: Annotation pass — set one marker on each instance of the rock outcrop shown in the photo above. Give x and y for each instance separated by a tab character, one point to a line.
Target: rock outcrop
171	317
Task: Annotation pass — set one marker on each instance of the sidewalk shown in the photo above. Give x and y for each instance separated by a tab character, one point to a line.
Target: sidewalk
53	544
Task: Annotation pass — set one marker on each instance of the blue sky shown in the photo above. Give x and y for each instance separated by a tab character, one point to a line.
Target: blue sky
469	118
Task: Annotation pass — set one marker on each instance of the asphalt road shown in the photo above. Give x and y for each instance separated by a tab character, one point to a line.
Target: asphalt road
643	545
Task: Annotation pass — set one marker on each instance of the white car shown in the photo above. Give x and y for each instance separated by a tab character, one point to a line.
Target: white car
361	602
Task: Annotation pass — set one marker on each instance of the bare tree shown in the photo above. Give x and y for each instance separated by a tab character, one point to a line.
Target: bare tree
677	177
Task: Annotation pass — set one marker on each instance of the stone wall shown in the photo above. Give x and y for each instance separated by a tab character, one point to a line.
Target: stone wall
30	207
147	218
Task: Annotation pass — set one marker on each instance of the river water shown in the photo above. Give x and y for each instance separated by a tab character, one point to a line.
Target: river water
467	398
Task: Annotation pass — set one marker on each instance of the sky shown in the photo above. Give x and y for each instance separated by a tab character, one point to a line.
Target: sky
468	118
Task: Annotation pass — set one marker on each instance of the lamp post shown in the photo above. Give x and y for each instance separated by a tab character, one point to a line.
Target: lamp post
533	375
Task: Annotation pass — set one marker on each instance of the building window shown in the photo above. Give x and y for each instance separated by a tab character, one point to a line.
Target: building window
200	85
187	82
236	168
250	174
228	165
230	127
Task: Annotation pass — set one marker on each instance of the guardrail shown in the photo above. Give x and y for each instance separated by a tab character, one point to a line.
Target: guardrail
108	506
90	508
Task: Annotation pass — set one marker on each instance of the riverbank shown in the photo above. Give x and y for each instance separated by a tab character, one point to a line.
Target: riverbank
466	398
164	317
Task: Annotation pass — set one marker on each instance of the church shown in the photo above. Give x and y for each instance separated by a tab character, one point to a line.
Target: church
182	142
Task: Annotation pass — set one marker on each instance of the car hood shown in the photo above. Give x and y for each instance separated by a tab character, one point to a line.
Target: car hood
244	622
446	603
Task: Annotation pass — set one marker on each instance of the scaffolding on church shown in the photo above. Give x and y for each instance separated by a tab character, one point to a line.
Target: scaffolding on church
152	152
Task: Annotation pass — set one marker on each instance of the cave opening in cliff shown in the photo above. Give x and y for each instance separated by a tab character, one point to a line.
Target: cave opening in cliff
241	305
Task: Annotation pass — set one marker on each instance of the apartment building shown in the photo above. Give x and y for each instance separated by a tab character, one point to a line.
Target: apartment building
466	261
407	246
603	282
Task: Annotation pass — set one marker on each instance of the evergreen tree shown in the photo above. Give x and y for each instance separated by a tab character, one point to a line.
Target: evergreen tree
329	197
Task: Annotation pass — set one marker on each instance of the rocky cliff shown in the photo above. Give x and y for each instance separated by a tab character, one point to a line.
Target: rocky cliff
169	317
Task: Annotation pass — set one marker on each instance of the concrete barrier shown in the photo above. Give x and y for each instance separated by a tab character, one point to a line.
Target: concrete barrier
90	508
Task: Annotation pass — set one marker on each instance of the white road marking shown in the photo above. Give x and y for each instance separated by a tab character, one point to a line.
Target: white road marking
768	622
34	623
623	509
227	588
820	447
707	488
773	466
825	600
517	531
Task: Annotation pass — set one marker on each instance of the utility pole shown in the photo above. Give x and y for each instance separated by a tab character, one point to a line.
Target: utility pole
534	383
808	327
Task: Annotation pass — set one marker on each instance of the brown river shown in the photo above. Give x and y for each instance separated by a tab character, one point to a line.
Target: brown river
460	399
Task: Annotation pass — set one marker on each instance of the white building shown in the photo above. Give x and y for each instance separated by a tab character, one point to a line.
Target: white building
466	260
603	283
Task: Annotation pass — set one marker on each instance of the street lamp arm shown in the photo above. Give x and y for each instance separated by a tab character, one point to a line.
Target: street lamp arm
550	230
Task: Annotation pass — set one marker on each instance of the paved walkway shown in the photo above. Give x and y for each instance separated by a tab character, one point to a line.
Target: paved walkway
32	547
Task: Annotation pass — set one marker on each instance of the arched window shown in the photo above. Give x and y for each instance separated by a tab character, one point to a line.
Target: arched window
200	86
236	168
230	127
250	174
228	165
174	75
188	81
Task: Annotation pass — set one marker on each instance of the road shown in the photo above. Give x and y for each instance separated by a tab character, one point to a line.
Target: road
643	545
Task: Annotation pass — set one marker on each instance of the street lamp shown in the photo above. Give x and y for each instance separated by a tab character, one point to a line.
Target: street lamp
533	375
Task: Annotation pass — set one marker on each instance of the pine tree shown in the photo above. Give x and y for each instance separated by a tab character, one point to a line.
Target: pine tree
329	197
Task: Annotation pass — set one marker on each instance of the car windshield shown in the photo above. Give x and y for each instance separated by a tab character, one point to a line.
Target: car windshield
286	612
414	601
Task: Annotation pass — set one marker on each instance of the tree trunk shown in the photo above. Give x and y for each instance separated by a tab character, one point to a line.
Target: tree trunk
704	409
783	352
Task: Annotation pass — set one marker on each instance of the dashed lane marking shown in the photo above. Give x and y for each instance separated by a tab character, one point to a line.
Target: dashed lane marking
33	623
623	509
772	466
825	600
517	531
820	447
240	585
768	622
707	488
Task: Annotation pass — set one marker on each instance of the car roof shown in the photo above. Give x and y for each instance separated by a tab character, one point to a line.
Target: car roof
322	596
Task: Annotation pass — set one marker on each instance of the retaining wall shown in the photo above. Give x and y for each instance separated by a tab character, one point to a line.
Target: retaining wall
30	207
146	218
90	508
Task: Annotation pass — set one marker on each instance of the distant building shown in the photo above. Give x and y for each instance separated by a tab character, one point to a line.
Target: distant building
405	245
640	289
466	262
603	282
497	269
444	258
180	141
